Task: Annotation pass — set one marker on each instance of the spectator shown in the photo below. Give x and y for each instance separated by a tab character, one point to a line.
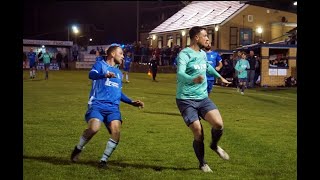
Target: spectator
154	67
290	81
65	60
251	72
59	59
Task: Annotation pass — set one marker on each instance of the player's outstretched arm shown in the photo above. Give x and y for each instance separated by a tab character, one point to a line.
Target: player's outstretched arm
224	80
127	100
212	71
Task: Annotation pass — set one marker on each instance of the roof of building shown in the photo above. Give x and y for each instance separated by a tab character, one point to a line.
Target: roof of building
200	13
277	45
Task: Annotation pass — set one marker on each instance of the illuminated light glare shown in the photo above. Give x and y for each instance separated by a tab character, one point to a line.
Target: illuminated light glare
183	33
259	30
216	28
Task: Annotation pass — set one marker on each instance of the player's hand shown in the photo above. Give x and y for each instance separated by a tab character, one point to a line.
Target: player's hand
198	79
218	69
110	75
225	81
138	103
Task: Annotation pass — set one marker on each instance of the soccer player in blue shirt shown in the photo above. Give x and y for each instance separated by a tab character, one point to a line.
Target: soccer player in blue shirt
103	105
192	96
32	63
215	60
126	65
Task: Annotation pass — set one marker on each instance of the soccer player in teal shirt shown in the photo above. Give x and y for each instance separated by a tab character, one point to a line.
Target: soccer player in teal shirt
46	56
192	96
242	66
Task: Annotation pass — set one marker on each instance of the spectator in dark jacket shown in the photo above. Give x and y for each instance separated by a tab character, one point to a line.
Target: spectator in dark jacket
154	67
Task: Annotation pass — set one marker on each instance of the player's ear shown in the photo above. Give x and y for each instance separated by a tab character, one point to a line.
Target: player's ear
113	53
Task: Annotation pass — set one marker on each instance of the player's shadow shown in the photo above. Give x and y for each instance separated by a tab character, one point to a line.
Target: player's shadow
163	113
30	80
64	161
146	166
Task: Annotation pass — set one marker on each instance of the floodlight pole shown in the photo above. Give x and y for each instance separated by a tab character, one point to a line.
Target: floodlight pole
138	21
68	34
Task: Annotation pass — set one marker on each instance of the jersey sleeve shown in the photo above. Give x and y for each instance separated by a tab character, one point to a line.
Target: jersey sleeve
125	99
182	62
96	72
219	59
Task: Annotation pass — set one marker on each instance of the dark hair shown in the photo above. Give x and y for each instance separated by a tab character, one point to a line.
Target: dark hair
195	30
243	53
111	49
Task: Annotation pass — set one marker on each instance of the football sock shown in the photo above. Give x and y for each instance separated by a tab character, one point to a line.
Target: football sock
198	147
215	135
30	73
47	74
83	141
127	77
111	146
242	88
34	73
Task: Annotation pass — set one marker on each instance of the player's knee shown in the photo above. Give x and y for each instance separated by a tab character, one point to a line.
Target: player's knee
218	125
93	130
199	137
115	132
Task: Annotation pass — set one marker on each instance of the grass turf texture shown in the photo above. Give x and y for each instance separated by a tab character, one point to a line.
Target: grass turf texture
259	135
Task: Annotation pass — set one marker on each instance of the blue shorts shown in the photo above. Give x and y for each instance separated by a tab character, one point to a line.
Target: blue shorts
126	69
192	110
210	85
105	115
46	65
242	79
32	64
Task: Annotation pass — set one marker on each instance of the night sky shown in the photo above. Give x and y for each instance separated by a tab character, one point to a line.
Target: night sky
50	20
113	21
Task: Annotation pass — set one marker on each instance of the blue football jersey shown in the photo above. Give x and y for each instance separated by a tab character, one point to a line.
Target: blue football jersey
105	90
99	58
32	57
127	62
213	59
